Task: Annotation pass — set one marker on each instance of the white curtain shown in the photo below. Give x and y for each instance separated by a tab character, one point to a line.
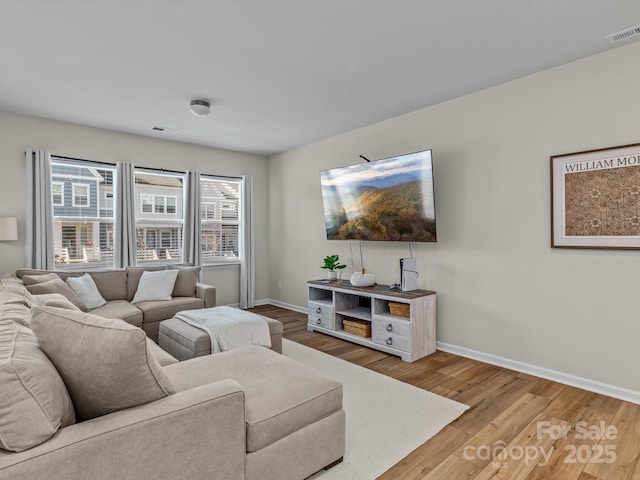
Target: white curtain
125	227
247	268
192	228
39	211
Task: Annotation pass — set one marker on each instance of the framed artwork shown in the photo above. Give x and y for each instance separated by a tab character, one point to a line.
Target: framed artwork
595	198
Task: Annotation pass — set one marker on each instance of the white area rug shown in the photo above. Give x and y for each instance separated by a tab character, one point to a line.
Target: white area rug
386	419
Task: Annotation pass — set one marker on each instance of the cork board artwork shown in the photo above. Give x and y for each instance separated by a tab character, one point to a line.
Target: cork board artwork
596	198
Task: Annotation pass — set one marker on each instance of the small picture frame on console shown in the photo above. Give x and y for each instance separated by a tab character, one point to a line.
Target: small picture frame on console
595	198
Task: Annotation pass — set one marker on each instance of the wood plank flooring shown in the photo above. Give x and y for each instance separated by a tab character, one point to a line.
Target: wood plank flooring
518	427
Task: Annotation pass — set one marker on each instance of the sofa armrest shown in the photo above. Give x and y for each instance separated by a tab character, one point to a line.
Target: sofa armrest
207	293
195	434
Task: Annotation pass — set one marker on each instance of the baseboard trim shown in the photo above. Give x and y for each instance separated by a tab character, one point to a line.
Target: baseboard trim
288	306
614	391
595	386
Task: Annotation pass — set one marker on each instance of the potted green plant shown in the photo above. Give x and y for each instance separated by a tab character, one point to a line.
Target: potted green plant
332	264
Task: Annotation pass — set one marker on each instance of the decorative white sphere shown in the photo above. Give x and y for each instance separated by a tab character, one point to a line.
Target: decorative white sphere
362	279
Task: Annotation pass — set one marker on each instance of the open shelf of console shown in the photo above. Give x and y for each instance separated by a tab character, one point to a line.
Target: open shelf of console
410	337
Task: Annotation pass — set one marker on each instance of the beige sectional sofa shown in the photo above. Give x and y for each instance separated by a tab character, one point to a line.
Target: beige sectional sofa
118	288
87	397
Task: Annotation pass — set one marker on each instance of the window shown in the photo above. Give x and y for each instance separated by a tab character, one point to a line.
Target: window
83	230
83	202
147	203
221	220
160	224
171	203
57	190
159	205
80	195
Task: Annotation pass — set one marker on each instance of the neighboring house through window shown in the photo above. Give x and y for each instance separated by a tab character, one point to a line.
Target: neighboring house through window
83	215
220	207
160	221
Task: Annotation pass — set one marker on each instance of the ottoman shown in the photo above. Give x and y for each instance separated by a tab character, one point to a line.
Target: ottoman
185	341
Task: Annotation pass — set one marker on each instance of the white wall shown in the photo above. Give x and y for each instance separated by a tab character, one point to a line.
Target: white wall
501	289
18	133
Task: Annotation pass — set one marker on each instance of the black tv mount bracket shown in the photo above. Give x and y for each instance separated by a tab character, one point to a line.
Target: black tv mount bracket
364	158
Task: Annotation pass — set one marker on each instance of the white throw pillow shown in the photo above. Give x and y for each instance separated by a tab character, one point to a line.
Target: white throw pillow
155	286
86	289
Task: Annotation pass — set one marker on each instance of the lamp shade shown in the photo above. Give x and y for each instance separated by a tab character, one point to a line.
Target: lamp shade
8	228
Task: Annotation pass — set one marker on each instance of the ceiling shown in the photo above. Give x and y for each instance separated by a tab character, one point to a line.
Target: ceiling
279	74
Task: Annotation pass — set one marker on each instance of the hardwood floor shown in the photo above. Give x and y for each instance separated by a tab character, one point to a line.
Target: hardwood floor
545	430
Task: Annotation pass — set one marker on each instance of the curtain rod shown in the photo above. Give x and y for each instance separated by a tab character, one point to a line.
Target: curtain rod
221	176
82	160
164	170
153	169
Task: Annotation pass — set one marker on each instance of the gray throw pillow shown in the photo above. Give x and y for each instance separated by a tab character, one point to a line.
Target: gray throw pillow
57	286
40	278
186	282
34	402
105	363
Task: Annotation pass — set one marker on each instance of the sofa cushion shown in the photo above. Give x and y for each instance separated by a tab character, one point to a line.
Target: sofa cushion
186	282
105	363
16	312
133	278
57	286
155	286
34	401
16	294
281	394
120	309
112	285
87	290
162	357
21	272
7	279
38	278
157	311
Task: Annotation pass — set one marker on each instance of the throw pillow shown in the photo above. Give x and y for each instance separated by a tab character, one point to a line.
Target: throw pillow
33	279
34	403
155	286
104	362
57	286
186	282
133	278
54	300
87	290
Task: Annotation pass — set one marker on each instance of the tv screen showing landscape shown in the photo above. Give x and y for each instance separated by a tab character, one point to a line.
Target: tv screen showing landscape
389	200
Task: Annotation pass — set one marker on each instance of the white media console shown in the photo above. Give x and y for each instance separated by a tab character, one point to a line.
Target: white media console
409	334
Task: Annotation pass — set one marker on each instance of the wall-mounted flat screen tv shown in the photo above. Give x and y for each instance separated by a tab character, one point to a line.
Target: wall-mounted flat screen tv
390	200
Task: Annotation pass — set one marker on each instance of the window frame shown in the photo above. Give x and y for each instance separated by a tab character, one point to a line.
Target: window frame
221	261
90	246
163	221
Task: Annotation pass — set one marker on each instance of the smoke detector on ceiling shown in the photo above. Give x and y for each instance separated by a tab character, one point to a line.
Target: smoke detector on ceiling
624	34
200	108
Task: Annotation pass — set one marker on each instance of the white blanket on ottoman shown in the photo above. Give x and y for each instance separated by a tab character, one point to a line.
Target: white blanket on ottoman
228	327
